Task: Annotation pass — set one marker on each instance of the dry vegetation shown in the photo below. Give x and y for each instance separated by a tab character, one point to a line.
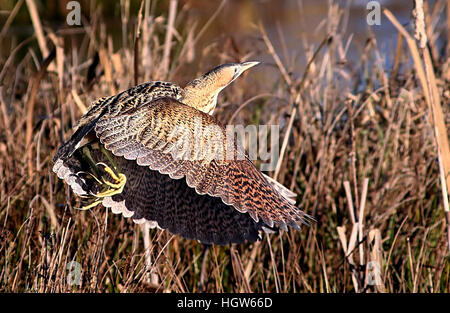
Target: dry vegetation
358	145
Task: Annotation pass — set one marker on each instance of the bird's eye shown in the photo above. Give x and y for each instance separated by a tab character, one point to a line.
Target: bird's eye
236	72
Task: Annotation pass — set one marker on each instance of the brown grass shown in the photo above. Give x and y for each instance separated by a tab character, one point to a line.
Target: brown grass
359	146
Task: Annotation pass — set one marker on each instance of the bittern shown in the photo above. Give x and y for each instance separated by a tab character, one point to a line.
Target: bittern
128	154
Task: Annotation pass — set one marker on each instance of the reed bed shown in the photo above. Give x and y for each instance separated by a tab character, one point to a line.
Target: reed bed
363	143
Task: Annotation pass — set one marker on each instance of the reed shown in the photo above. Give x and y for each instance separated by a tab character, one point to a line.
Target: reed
364	145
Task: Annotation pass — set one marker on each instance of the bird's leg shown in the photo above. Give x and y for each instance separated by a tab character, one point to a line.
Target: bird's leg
110	159
116	187
90	160
119	178
110	188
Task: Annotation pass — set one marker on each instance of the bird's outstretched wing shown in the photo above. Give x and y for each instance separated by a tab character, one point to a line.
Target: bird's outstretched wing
180	141
156	199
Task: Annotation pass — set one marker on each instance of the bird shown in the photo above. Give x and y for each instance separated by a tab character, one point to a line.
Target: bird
156	154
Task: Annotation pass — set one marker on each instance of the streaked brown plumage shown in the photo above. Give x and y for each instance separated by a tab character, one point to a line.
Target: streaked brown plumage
166	143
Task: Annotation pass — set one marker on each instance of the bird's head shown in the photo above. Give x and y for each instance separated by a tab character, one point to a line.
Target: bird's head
225	74
202	92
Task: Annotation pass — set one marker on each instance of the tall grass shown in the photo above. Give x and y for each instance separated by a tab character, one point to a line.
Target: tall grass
358	147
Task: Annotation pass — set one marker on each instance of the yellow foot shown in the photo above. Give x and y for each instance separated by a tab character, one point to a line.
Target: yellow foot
112	188
119	178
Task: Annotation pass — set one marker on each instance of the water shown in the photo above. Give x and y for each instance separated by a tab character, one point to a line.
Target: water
298	19
293	26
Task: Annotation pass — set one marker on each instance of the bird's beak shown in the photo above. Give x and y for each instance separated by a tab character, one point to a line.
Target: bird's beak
246	65
243	67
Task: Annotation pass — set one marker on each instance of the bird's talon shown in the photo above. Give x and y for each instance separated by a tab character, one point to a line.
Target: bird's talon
113	188
113	174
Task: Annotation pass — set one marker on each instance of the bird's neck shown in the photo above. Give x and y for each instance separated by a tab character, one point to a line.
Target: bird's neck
203	99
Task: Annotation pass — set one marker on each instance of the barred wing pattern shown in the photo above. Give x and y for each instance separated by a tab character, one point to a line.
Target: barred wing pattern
130	99
115	105
148	135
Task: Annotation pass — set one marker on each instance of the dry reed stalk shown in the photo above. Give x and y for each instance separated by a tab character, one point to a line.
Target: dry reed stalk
168	41
419	264
275	56
357	232
80	104
251	262
428	18
376	257
398	56
34	14
6	121
106	64
445	197
276	277
35	82
324	268
147	31
440	131
410	259
429	86
353	152
203	270
59	46
285	142
239	270
235	113
151	276
324	42
136	45
125	17
348	193
10	19
362	207
448	29
209	22
11	57
280	65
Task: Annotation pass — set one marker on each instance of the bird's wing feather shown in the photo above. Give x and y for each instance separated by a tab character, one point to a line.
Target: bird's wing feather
154	198
155	136
113	106
172	205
